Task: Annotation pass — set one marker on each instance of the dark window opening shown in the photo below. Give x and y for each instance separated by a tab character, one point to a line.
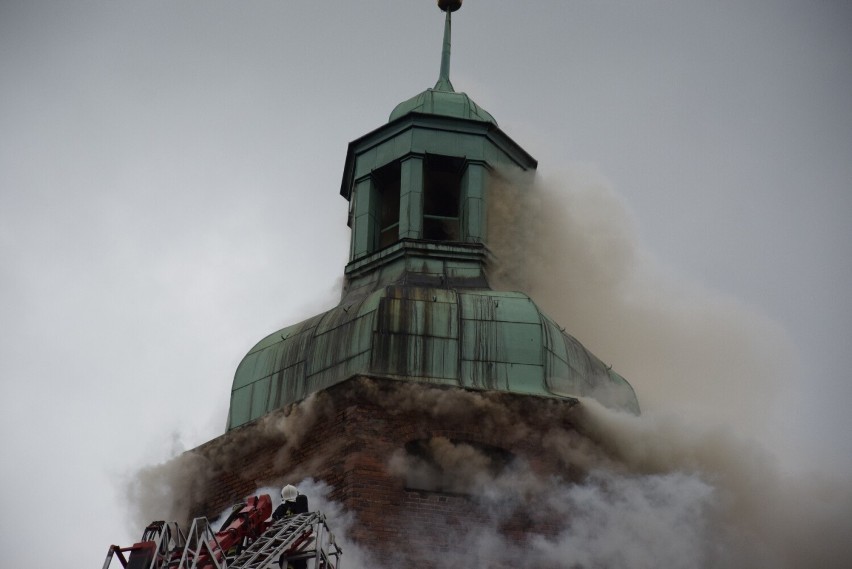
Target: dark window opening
451	466
387	180
441	198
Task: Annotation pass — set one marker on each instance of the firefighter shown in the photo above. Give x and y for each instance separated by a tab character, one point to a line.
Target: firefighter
292	503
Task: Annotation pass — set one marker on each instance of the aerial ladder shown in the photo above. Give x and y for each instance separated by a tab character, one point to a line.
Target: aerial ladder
247	540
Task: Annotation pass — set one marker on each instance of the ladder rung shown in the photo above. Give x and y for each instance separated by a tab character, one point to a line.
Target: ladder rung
276	540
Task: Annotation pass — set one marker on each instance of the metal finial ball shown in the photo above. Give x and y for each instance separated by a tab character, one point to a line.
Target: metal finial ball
449	5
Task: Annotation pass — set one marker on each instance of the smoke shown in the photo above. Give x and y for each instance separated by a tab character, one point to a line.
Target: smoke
619	491
641	492
339	520
760	515
444	465
340	523
573	247
707	371
169	491
695	482
166	491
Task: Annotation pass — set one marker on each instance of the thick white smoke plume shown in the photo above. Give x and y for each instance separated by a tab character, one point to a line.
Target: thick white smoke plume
632	509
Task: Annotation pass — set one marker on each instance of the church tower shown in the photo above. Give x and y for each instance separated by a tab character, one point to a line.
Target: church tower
416	304
420	355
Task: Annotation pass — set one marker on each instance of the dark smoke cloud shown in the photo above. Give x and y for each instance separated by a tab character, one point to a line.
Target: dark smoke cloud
166	491
169	490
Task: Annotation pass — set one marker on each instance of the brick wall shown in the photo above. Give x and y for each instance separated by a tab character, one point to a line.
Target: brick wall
346	436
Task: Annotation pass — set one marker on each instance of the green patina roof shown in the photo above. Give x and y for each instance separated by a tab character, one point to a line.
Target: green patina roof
417	305
442	99
475	339
444	103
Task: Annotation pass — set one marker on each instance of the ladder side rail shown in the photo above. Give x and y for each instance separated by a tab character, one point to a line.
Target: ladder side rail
197	543
309	543
215	554
218	552
169	542
161	534
318	544
179	537
324	561
334	553
330	548
326	546
116	551
285	532
188	552
271	551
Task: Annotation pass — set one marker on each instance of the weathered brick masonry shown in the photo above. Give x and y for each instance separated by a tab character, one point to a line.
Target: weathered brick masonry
348	435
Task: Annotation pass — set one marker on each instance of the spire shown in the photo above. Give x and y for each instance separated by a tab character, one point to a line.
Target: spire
442	99
449	6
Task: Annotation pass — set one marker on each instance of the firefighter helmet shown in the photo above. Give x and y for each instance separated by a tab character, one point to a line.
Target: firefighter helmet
289	493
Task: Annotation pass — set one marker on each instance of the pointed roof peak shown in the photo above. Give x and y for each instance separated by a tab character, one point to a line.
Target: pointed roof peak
444	83
442	99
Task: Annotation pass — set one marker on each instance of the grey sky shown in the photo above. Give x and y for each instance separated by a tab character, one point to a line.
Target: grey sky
169	176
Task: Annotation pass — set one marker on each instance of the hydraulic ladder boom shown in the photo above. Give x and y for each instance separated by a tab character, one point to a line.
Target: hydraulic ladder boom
294	537
246	541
